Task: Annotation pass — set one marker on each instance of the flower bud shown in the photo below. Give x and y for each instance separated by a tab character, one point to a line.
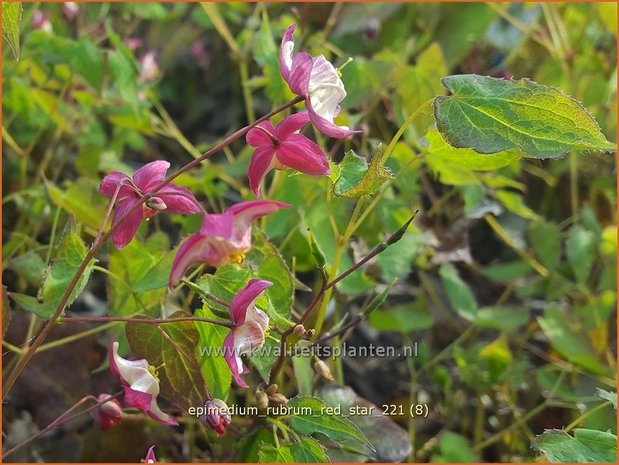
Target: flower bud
299	330
157	204
108	414
278	399
309	333
216	417
271	389
323	370
262	399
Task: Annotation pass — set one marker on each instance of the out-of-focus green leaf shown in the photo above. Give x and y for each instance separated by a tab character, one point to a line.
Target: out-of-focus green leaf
11	18
87	61
490	115
460	296
586	446
454	448
251	443
357	179
82	199
272	454
124	76
580	246
303	371
546	242
505	318
403	318
180	378
607	395
363	81
497	357
569	340
69	256
515	204
29	266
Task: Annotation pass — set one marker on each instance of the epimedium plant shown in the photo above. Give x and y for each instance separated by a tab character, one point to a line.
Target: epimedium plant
245	284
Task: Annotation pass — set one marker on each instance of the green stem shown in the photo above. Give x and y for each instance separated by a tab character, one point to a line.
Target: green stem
585	415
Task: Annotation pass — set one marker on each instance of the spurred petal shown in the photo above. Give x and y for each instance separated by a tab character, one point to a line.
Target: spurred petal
189	253
150	455
128	371
299	77
127	229
179	200
258	167
248	337
246	299
285	52
111	181
326	127
233	359
258	138
150	175
301	154
157	414
246	212
137	399
291	125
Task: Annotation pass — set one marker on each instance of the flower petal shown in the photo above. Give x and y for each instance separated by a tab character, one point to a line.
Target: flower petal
150	174
246	299
258	138
301	154
246	212
233	359
189	253
291	125
248	337
285	52
150	455
327	127
258	167
137	399
157	414
111	181
128	371
299	76
127	229
179	200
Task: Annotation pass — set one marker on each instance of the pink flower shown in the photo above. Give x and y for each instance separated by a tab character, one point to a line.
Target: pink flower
150	455
41	21
217	416
140	383
318	81
283	147
224	238
108	414
250	325
149	68
70	9
171	198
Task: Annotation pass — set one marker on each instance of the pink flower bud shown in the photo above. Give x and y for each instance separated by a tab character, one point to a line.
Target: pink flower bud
108	414
216	417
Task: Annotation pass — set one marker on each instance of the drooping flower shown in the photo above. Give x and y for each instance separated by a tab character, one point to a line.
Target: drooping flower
70	9
224	238
149	67
140	383
150	455
317	80
282	147
249	327
41	21
108	414
171	198
217	416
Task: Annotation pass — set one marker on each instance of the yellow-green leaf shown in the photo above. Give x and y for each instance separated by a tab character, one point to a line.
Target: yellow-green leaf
357	179
11	17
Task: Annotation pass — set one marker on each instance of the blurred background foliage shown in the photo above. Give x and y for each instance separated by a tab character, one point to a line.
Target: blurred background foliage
507	280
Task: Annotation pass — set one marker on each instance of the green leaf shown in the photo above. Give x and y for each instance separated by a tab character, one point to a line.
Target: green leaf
303	371
586	446
267	263
272	454
87	61
312	417
460	296
505	318
403	318
11	17
29	266
357	179
607	395
454	448
250	444
264	358
308	450
180	378
214	368
467	158
124	77
546	242
568	339
580	247
515	204
490	115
